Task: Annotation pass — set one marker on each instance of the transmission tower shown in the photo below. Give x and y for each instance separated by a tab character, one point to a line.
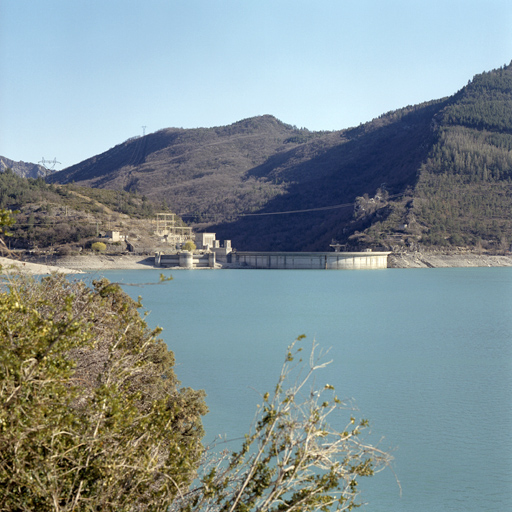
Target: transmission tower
49	165
144	130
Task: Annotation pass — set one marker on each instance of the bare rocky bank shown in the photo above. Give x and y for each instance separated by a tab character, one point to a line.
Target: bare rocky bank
78	264
83	263
12	265
397	260
106	262
442	260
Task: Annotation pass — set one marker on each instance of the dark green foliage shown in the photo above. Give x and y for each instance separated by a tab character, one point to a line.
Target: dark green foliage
56	214
91	414
464	193
118	200
17	191
485	103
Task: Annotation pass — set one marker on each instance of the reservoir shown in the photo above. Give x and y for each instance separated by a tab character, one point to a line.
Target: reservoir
426	354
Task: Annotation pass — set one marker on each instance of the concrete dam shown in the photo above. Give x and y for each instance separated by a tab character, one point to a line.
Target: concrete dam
277	260
311	260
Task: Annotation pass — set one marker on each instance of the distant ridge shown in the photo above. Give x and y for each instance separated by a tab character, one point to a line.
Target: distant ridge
23	169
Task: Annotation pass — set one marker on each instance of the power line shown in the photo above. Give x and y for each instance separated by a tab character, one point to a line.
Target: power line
299	211
319	209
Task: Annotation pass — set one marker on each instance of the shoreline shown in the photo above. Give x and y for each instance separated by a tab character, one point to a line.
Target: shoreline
81	264
447	260
12	265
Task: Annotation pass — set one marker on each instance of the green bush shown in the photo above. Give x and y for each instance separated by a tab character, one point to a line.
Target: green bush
91	413
189	246
98	247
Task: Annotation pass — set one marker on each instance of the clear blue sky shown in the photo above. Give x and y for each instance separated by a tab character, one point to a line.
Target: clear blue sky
78	77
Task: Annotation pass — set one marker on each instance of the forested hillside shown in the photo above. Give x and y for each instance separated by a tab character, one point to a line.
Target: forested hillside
209	175
373	162
464	193
436	174
67	216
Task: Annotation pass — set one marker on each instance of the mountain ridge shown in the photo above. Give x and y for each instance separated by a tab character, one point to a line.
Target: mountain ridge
434	174
23	169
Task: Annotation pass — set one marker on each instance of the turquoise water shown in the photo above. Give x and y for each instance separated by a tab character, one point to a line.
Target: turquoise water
425	353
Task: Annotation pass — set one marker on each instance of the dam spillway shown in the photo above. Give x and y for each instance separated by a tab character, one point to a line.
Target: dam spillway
311	260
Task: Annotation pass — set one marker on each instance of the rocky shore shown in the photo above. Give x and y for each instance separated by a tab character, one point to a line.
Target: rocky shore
84	263
9	265
79	264
442	260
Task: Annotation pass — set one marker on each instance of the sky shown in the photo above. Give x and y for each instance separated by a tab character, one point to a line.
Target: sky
78	77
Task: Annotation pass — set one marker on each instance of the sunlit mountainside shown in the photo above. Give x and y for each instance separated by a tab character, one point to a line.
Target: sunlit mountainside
27	170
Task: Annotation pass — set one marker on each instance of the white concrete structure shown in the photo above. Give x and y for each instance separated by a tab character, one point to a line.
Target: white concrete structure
185	259
312	260
205	241
115	236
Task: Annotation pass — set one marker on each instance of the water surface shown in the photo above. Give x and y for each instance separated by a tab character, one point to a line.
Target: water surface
426	354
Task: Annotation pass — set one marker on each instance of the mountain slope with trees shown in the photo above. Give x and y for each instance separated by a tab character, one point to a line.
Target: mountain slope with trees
203	172
464	191
436	174
68	218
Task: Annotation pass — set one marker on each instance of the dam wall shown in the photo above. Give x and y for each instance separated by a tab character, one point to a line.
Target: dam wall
279	260
311	260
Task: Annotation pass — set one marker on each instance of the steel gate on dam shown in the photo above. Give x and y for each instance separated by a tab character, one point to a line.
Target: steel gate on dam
312	260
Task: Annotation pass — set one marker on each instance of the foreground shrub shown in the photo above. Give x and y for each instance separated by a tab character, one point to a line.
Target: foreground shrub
91	415
92	418
293	459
